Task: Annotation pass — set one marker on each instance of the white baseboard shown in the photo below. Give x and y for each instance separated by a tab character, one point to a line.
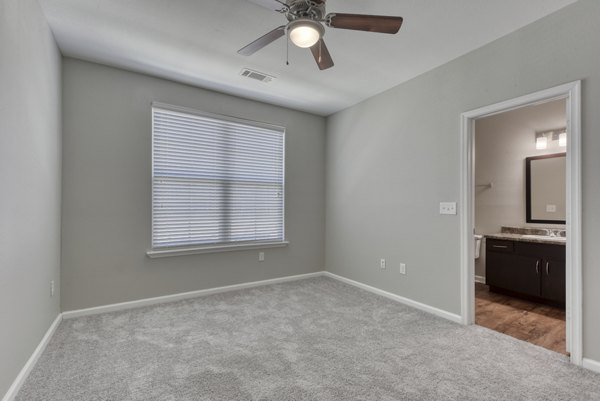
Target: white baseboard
591	365
30	364
409	302
480	279
181	296
195	294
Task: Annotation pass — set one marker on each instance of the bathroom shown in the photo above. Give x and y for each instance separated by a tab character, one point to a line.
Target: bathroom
520	223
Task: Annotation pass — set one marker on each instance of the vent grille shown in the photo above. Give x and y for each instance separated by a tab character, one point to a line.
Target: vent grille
259	76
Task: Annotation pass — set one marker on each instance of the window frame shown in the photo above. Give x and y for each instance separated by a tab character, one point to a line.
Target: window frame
163	251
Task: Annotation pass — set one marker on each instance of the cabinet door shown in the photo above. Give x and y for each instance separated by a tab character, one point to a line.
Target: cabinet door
514	272
554	280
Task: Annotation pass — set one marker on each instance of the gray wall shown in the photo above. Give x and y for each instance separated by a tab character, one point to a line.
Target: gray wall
30	141
502	142
107	191
394	157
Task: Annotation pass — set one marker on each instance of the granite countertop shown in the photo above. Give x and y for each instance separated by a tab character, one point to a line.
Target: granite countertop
519	237
523	234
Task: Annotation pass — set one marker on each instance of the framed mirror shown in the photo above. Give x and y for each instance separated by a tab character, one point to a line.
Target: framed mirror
546	188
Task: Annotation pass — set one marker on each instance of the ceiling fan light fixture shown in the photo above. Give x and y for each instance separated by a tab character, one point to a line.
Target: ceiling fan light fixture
305	27
305	32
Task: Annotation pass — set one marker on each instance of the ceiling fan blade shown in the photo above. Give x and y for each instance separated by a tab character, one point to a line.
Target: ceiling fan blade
262	41
361	22
321	55
273	5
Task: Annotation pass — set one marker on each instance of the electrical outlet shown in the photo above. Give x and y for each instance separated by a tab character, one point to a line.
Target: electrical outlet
402	268
261	256
447	207
382	263
52	288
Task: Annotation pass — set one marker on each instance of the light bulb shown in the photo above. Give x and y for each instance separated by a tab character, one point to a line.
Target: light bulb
541	142
562	139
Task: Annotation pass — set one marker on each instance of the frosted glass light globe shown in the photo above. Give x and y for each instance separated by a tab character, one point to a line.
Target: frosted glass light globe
562	139
305	32
304	36
541	142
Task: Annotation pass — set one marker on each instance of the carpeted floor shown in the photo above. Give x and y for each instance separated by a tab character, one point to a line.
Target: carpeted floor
315	339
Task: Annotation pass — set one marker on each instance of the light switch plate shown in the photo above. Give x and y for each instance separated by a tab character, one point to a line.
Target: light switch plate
551	208
447	207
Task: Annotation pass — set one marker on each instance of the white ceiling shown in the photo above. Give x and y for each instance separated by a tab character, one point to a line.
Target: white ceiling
196	42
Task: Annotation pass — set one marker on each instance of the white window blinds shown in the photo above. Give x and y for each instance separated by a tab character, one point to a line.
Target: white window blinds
215	180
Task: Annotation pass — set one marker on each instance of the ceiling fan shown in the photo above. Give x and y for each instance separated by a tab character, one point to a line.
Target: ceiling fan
305	26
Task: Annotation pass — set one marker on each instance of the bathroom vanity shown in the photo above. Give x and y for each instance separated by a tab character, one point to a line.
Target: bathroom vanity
530	261
527	265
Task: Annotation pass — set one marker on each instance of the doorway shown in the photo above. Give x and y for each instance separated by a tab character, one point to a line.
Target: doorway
570	95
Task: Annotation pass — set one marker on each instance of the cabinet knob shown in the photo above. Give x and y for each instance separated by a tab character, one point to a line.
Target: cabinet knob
547	268
537	267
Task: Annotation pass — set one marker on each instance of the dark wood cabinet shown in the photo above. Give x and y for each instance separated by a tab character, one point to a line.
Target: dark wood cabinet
513	272
524	268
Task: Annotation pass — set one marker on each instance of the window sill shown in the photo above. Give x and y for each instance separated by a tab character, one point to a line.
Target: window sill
163	253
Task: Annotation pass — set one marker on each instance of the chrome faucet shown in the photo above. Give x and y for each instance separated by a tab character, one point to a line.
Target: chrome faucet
550	232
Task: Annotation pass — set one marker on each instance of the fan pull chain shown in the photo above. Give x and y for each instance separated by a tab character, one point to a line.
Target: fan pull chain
287	49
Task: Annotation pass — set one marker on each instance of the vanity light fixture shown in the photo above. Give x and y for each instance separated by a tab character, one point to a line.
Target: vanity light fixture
554	138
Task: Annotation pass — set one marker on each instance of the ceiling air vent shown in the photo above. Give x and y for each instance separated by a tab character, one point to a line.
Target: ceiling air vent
259	76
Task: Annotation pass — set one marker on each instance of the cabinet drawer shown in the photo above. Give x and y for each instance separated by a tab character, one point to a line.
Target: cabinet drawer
497	245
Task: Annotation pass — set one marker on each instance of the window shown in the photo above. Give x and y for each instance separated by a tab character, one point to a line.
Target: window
216	181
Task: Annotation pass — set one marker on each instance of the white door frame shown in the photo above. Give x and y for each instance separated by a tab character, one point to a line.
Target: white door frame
571	92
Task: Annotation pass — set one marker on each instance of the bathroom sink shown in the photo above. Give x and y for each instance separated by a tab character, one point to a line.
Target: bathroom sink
544	237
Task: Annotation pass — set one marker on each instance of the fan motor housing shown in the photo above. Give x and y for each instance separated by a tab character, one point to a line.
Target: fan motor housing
311	9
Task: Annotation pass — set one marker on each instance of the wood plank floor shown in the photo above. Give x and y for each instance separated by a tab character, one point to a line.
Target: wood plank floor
538	324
